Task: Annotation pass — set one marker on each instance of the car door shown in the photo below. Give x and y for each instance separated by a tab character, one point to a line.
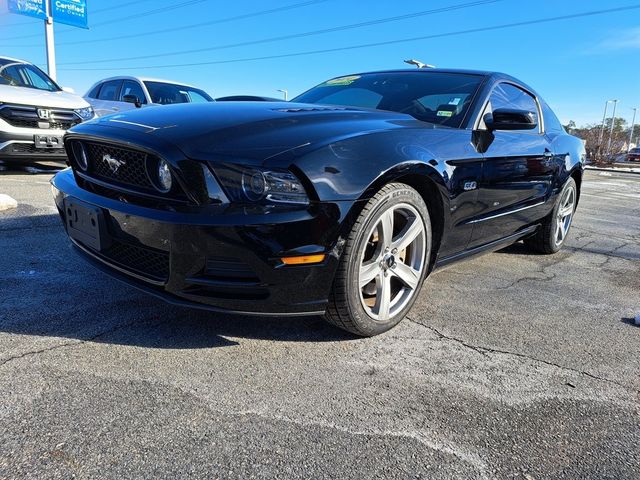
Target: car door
517	170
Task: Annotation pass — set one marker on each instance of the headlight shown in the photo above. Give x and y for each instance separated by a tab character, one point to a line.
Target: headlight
259	185
85	113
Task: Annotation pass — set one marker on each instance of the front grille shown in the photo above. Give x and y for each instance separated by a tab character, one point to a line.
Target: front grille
145	261
117	170
25	116
124	166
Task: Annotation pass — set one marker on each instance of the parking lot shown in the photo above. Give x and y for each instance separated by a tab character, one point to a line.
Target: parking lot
512	365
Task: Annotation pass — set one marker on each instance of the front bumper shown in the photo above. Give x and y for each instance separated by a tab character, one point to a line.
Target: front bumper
18	144
219	257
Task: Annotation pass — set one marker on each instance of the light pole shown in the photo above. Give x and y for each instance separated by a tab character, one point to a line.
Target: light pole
633	122
613	121
604	119
48	35
285	93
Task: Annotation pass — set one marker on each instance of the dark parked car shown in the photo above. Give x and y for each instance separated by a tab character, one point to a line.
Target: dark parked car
338	203
634	155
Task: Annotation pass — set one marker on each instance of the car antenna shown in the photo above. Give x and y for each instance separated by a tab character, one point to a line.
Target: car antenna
419	64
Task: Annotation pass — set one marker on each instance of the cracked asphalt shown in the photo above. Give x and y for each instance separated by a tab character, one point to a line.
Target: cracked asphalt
511	365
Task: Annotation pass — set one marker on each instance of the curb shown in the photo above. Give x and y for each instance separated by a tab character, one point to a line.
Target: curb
616	170
6	202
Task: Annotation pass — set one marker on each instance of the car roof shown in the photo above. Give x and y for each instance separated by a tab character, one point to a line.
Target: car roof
492	75
144	79
433	70
10	59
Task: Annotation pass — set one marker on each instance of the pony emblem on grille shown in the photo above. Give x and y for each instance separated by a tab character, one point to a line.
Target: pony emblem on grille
114	163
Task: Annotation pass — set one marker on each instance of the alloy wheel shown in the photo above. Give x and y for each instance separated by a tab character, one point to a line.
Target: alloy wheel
392	262
564	216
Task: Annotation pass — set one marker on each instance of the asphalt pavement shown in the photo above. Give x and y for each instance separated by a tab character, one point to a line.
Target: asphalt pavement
511	365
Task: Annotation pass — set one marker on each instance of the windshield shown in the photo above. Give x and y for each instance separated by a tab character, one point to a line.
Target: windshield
26	75
440	98
167	93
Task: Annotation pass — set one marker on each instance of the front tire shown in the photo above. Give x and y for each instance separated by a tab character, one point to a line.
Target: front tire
555	228
384	263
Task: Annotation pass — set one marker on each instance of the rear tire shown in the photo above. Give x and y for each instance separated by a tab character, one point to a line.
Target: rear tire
555	227
385	260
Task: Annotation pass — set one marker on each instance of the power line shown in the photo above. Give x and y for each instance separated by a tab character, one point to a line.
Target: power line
191	26
376	44
296	35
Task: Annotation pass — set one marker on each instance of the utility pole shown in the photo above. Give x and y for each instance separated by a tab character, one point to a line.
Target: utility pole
613	121
51	49
604	119
633	122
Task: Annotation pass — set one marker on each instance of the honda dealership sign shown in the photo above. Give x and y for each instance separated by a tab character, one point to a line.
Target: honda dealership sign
70	12
32	8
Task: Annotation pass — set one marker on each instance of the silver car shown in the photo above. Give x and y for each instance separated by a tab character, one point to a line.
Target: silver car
35	113
117	94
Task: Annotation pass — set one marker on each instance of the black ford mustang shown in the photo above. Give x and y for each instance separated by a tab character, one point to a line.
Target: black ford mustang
337	203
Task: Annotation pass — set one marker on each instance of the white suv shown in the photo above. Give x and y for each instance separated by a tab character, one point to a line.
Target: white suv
117	94
35	112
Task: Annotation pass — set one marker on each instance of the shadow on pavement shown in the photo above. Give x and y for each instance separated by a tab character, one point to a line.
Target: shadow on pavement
46	289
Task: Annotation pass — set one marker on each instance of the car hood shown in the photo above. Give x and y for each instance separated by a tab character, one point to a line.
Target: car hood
40	98
249	130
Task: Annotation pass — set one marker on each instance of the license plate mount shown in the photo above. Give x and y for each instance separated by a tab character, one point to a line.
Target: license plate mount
86	224
48	142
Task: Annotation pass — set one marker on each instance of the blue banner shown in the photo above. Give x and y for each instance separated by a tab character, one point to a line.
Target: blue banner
32	8
70	12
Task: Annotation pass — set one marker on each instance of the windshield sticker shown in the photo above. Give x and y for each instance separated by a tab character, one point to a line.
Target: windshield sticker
444	113
455	101
341	81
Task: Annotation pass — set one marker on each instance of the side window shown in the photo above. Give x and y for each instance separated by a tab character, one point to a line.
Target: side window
94	91
109	90
131	87
505	95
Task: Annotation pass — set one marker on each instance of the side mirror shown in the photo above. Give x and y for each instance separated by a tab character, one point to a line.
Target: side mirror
132	99
68	90
508	119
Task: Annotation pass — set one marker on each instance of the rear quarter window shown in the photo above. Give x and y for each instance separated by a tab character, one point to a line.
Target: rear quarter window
551	122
